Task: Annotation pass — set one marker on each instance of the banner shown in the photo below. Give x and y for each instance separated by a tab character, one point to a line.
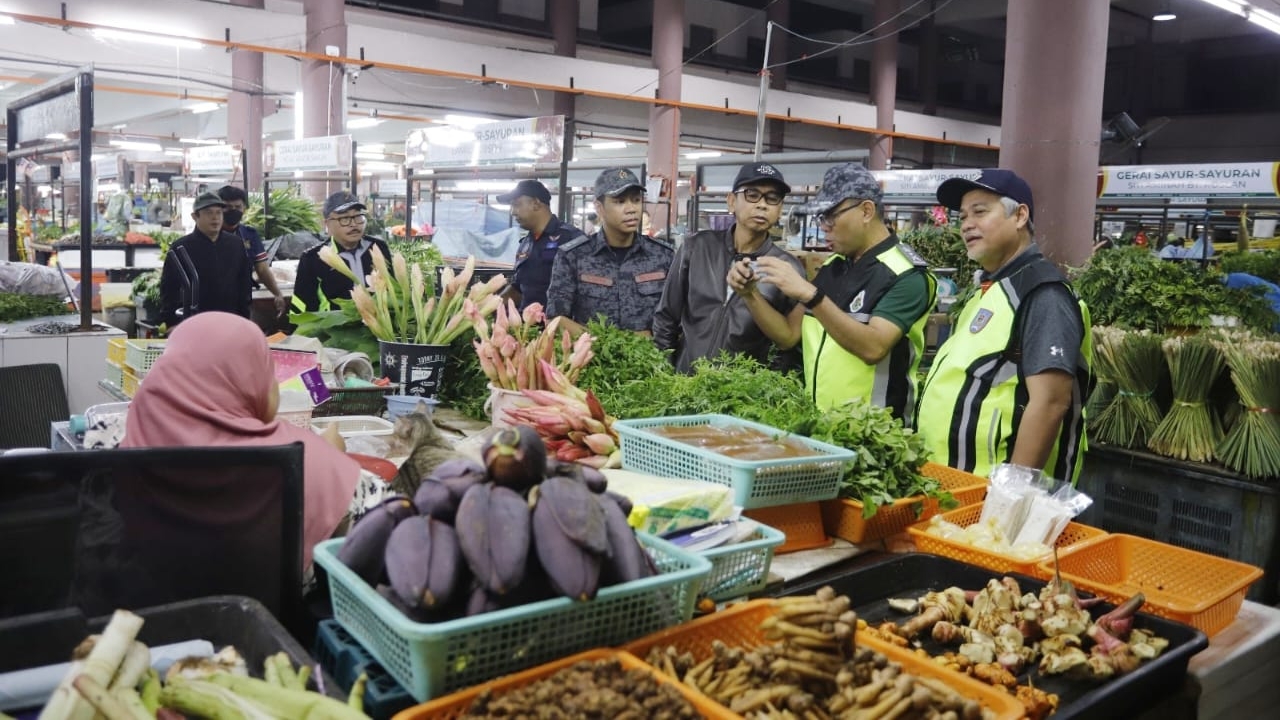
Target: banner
504	142
391	187
315	154
211	160
916	184
1190	183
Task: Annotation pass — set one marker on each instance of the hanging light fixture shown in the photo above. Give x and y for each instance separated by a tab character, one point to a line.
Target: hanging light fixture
1165	13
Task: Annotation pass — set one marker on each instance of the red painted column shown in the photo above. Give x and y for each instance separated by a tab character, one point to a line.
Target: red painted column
664	122
884	79
245	108
1054	68
323	90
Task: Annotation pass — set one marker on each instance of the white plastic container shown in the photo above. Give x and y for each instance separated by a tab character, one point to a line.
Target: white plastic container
354	425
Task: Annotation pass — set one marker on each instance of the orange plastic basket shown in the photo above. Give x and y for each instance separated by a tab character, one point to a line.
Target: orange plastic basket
739	626
1200	590
455	705
843	518
1072	535
800	522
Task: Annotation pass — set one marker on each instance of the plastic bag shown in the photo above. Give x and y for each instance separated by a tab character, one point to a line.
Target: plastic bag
1048	515
31	279
1009	497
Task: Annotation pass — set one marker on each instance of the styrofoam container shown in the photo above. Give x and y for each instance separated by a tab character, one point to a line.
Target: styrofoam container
354	425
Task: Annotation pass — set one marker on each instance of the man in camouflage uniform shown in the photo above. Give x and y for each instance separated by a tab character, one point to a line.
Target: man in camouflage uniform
616	271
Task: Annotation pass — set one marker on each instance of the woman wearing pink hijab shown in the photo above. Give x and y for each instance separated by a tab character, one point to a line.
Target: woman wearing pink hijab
215	386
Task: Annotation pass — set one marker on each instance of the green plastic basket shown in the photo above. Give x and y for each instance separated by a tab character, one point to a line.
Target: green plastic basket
742	568
433	659
760	483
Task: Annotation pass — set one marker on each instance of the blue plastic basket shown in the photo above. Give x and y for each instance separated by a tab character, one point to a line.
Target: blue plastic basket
742	568
761	483
432	659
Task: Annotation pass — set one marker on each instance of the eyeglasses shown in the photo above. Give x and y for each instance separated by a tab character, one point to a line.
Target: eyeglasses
828	218
752	195
350	220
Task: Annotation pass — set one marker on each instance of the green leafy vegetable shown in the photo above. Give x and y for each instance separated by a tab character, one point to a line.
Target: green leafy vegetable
621	357
1265	265
18	306
290	213
943	247
1191	430
465	387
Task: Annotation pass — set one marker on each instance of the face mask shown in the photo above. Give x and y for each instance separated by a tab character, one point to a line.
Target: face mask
231	218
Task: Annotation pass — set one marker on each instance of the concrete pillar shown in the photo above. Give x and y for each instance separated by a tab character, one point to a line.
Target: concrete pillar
884	78
324	104
780	14
664	122
1055	63
927	76
245	107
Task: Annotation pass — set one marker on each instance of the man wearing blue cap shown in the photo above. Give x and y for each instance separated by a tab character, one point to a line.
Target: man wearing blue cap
1009	384
862	334
530	203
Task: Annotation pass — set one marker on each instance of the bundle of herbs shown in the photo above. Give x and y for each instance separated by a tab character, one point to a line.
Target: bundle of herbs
621	357
1191	430
19	306
1134	362
887	456
1252	446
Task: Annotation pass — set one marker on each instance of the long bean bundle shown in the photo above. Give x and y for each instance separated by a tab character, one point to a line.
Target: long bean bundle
1133	361
1252	446
1191	430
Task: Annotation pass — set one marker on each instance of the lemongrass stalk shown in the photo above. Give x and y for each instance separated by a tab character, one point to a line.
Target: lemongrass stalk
286	702
99	698
136	661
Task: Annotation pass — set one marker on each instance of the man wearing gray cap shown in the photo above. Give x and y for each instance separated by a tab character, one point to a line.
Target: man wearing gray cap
1009	384
530	203
616	271
317	283
699	315
862	334
208	259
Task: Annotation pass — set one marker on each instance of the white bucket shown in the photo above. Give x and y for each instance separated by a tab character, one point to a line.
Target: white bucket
500	400
1264	227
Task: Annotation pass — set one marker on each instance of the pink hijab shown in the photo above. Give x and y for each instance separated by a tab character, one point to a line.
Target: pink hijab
210	388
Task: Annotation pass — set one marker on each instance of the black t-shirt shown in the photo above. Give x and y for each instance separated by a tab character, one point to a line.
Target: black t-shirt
223	271
1050	328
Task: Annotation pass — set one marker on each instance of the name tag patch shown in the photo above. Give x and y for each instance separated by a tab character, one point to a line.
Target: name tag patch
980	320
596	280
651	276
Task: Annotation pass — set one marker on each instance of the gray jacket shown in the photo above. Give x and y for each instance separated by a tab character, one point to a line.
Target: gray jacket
699	315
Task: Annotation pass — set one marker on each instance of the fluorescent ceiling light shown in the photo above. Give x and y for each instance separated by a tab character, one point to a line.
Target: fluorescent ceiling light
1265	19
1231	6
467	121
608	145
169	41
201	141
56	136
1164	16
176	152
364	122
702	154
135	145
203	107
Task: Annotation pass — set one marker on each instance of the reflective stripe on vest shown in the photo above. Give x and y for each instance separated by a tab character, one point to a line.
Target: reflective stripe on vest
834	376
974	394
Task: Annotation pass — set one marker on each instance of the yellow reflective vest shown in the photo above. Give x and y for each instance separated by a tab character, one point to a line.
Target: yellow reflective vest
972	400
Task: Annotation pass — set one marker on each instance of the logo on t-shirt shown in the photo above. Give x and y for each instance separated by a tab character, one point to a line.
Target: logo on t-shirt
980	320
858	300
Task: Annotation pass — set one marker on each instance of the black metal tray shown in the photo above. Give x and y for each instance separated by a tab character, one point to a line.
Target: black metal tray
913	574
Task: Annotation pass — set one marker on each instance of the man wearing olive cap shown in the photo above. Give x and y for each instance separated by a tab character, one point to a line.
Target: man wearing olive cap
616	271
208	259
1009	384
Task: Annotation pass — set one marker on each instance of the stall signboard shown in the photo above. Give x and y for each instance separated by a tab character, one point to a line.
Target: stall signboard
1190	183
211	160
503	142
390	187
317	154
919	184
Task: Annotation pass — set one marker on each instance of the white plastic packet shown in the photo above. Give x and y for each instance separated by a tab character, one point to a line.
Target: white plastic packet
1009	497
1048	515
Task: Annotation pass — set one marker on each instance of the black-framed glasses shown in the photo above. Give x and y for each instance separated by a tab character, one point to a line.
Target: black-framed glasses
350	220
828	218
753	195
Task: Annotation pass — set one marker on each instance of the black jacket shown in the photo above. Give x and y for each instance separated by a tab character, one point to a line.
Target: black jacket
317	283
223	271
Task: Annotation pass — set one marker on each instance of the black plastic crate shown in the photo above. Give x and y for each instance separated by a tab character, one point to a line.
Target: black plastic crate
913	574
1191	505
48	638
344	658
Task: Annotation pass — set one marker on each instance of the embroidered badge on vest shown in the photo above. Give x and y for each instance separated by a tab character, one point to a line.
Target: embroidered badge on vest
858	300
980	320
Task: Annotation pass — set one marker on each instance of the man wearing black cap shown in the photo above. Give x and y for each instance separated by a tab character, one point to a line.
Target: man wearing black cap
699	315
616	271
1009	384
317	283
531	206
863	333
207	258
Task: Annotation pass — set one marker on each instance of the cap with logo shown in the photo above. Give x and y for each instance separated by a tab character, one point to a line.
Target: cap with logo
208	200
1005	183
342	201
615	181
760	172
843	182
527	188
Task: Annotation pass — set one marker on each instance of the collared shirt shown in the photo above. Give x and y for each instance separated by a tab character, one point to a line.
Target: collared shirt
354	257
1050	330
223	271
587	279
317	283
535	258
253	246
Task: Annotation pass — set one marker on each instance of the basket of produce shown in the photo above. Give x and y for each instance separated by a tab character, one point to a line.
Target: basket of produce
1201	590
356	400
1047	647
536	569
847	519
596	683
812	661
116	350
764	466
743	567
958	535
141	354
